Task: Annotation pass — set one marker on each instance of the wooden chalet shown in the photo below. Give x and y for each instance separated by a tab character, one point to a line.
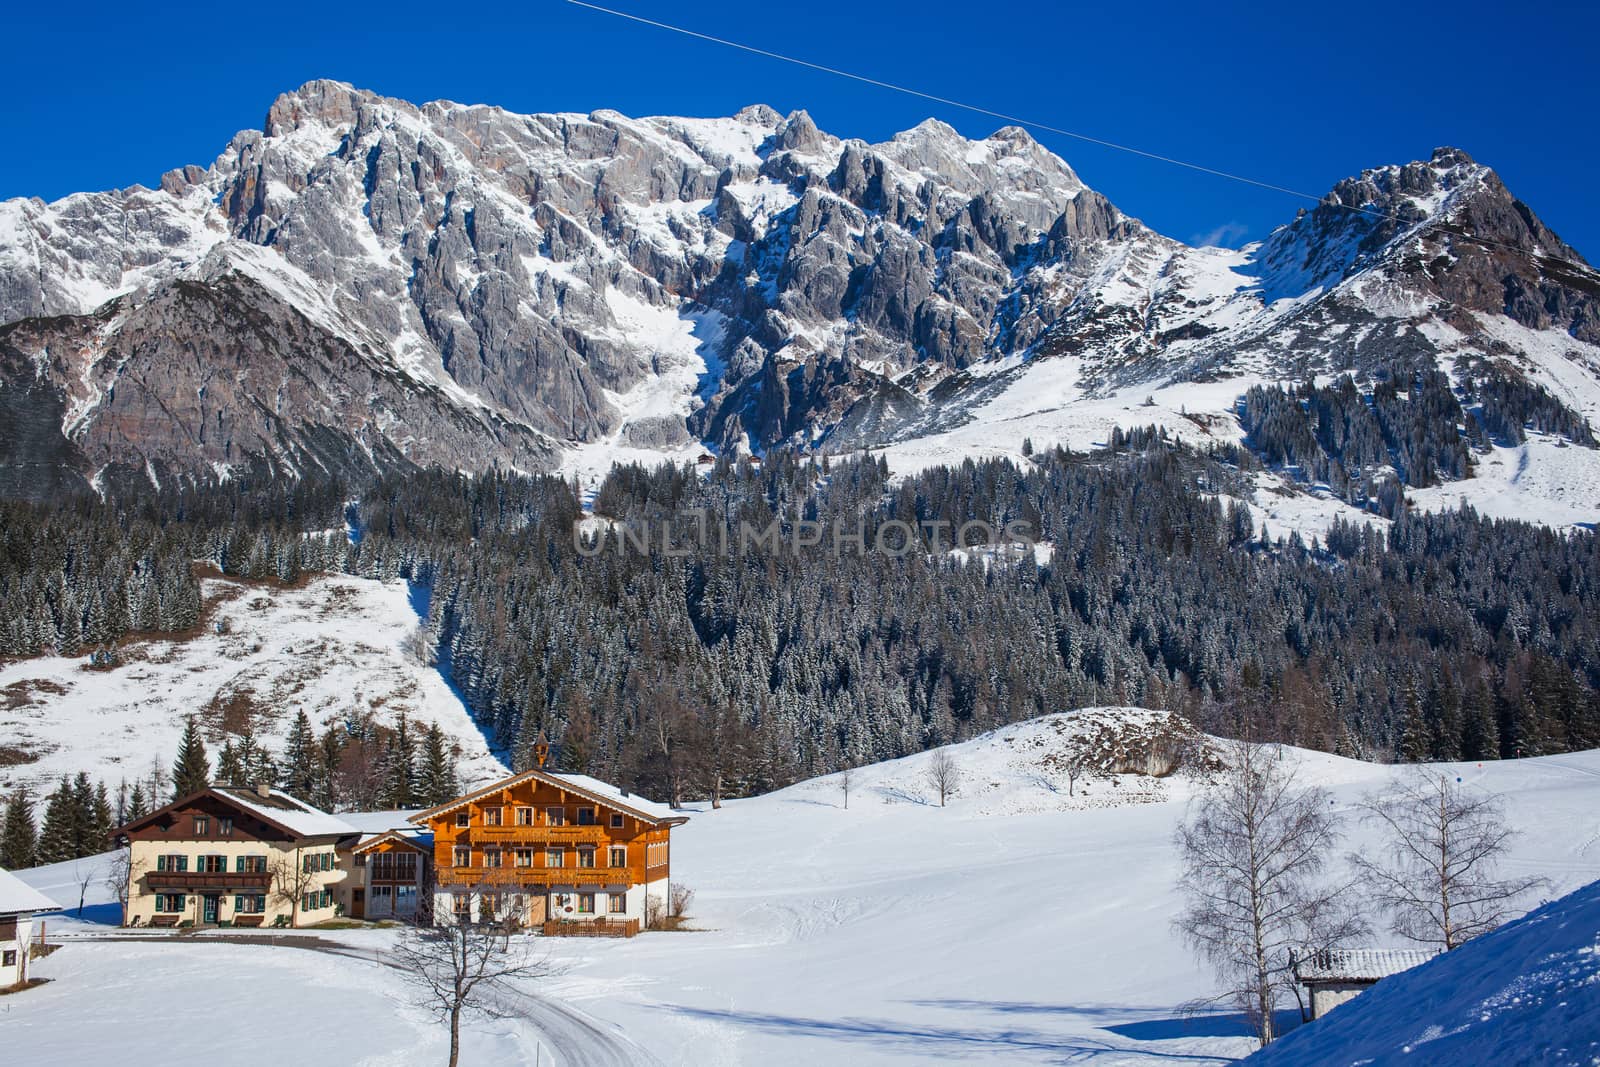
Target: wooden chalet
231	856
564	853
395	869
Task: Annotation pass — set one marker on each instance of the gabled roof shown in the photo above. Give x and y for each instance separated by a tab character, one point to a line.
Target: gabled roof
594	789
410	836
277	809
17	896
1358	964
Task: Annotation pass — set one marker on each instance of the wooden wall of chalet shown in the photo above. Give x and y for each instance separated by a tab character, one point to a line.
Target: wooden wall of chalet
644	863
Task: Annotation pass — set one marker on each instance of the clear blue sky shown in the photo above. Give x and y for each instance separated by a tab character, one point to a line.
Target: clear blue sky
105	96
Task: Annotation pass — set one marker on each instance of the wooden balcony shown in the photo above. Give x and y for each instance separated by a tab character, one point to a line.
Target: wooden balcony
538	877
197	880
534	835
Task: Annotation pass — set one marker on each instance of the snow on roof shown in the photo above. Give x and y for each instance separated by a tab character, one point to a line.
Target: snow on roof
375	822
603	792
415	836
289	812
608	792
17	896
1359	964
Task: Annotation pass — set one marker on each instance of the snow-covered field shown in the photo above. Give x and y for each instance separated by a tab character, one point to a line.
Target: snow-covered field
1017	923
332	647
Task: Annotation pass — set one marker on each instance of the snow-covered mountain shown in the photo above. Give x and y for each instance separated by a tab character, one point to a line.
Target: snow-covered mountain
367	284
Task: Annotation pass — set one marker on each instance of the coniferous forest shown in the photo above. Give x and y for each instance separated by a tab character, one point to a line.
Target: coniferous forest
708	670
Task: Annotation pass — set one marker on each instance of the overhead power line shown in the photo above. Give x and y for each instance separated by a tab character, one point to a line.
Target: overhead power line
1035	124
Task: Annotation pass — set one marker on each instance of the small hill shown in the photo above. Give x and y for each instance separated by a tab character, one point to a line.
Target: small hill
333	646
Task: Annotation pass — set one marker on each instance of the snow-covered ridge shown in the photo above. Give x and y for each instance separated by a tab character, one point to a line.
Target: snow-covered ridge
332	647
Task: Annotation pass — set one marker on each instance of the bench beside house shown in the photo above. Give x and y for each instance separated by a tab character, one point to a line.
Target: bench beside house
1333	976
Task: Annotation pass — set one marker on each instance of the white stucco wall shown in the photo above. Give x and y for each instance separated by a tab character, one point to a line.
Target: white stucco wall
142	898
19	945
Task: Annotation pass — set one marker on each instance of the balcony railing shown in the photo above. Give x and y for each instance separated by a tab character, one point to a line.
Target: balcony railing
535	835
207	880
538	876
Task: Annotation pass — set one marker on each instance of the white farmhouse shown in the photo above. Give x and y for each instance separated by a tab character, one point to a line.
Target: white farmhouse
18	905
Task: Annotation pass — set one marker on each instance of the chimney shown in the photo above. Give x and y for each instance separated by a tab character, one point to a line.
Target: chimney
264	790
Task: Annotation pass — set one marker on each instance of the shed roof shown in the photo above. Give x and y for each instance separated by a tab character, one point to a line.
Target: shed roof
1358	964
17	896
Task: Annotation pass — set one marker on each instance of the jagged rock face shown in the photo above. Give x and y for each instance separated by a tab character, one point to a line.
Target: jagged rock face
364	284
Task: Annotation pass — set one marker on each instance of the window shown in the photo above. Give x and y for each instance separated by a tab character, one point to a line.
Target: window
585	903
619	856
211	864
382	892
555	857
462	905
250	865
463	817
202	825
616	820
491	816
9	958
250	903
585	857
524	857
617	903
524	816
172	863
224	825
586	817
555	816
491	857
169	902
361	859
463	857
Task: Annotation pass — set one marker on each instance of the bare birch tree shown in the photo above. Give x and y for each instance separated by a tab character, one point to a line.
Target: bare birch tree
467	968
943	775
1438	880
1253	849
292	878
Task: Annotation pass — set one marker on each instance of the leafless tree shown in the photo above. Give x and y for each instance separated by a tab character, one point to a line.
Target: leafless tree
120	875
844	786
1438	880
420	647
83	875
1253	849
467	968
943	775
292	878
1074	766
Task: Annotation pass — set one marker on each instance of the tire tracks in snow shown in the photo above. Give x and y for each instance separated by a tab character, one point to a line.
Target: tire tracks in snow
576	1038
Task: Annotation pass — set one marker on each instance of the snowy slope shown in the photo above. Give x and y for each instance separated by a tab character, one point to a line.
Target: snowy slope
1528	993
331	647
1017	924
